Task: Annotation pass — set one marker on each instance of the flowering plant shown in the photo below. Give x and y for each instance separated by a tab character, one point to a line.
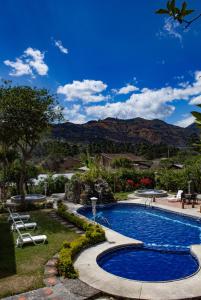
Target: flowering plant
146	181
130	182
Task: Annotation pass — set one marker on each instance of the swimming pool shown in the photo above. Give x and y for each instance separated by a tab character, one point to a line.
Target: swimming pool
148	265
167	238
153	226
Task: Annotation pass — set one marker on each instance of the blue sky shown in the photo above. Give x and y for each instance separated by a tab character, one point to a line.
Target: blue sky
104	58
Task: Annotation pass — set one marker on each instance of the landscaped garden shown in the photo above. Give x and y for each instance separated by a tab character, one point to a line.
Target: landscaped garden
25	141
23	269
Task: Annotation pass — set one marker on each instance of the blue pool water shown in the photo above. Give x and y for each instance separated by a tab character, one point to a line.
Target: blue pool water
148	265
167	239
156	228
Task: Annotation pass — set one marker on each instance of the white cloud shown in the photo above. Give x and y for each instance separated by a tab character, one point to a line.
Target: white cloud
73	114
60	46
126	89
185	122
184	84
196	100
36	61
171	28
148	103
30	63
18	67
87	91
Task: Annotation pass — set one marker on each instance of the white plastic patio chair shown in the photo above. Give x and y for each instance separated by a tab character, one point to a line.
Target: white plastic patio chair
27	238
177	197
21	225
16	216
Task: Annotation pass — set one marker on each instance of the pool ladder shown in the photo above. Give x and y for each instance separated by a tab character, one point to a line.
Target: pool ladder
148	202
104	219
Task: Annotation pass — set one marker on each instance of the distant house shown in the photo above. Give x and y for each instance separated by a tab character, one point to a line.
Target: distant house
137	161
83	169
176	166
68	163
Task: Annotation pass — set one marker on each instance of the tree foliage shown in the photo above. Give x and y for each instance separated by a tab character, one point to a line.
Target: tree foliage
121	162
25	115
179	14
197	116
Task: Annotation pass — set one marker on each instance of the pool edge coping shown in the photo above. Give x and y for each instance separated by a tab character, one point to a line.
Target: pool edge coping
92	274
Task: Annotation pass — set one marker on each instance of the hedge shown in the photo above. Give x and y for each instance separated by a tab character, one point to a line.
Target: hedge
94	234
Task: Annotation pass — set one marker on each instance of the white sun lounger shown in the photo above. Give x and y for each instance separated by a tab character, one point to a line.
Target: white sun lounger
21	225
27	238
16	216
177	197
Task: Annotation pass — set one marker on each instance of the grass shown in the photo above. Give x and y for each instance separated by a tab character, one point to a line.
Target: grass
122	196
22	269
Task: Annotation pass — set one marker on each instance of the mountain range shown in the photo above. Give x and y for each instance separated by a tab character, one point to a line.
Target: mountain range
132	131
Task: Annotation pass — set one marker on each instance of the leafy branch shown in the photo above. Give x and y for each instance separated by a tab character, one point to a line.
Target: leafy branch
178	14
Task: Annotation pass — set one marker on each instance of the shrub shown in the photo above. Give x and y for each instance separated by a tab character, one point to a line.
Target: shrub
54	185
93	234
65	264
146	181
125	180
172	180
121	162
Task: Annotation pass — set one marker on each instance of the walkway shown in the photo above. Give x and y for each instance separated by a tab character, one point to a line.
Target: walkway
165	201
69	289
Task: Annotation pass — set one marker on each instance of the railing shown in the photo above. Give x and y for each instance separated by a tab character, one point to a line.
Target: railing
148	202
101	217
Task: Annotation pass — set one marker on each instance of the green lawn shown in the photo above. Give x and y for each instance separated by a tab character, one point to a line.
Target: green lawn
122	196
22	269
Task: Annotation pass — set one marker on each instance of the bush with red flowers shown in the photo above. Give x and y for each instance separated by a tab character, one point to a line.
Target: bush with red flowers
132	185
143	182
146	181
130	182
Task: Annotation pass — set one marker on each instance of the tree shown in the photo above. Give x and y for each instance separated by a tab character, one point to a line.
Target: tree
178	14
7	157
14	172
121	162
197	116
25	115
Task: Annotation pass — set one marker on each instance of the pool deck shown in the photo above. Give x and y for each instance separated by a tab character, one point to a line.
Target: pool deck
93	275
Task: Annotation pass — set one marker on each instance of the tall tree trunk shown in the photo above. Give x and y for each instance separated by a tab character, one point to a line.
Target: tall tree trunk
21	184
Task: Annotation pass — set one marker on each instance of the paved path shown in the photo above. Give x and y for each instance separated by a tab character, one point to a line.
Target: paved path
67	224
69	289
72	289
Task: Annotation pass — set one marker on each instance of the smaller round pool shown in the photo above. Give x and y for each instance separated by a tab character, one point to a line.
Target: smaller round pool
150	193
29	198
148	265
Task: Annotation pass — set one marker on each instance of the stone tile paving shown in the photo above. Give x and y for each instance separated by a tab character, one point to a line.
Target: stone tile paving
72	289
66	223
167	202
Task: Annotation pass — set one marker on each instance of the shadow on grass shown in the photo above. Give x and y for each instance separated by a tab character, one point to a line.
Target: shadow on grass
7	251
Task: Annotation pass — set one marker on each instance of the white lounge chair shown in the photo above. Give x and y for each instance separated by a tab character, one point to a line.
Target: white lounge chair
16	216
27	238
177	197
21	225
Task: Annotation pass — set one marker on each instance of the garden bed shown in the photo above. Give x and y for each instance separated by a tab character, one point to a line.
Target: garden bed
94	234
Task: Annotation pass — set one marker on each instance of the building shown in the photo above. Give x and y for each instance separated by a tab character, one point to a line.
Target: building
137	161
